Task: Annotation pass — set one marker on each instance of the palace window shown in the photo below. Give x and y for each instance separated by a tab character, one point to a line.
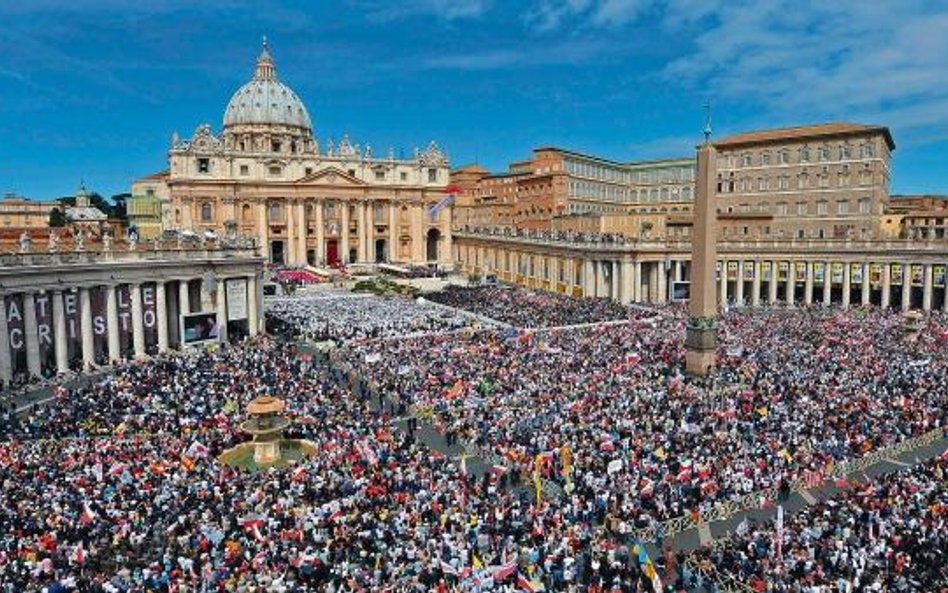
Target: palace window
845	151
275	171
380	175
801	209
764	160
276	146
824	152
805	154
865	206
746	160
782	209
867	151
244	170
842	207
783	156
206	212
432	175
204	165
352	172
276	213
822	208
308	171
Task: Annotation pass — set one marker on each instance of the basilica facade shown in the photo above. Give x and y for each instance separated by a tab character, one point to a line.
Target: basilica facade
307	203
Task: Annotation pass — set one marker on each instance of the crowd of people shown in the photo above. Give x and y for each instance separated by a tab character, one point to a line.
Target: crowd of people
885	534
589	433
523	308
805	392
343	317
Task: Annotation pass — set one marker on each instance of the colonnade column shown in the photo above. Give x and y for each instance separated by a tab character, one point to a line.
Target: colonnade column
628	290
739	285
161	312
6	361
927	287
320	233
85	321
31	338
253	316
678	271
184	298
59	325
637	282
289	211
589	278
723	283
906	287
138	328
864	288
791	288
808	287
370	254
111	312
262	229
772	287
755	284
662	273
886	285
847	283
827	283
221	309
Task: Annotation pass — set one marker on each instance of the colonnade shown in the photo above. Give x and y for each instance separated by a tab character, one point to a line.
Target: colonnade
44	331
909	281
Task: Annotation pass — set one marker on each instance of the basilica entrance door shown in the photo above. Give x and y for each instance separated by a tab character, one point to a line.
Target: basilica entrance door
332	252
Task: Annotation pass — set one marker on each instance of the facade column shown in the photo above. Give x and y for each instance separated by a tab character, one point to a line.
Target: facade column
59	326
289	211
755	284
865	295
393	232
111	312
6	360
722	296
31	337
808	287
678	271
344	232
253	315
790	293
360	220
161	312
370	254
927	287
85	323
320	233
262	228
827	284
447	238
301	230
418	238
886	285
138	327
906	287
772	286
739	285
221	309
847	283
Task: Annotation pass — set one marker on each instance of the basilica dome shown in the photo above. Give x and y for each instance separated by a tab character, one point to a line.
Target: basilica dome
266	101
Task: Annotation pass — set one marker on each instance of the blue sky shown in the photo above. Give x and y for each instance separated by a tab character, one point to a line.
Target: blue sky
93	89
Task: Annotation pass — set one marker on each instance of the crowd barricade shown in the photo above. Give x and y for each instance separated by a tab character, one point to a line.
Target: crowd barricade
726	509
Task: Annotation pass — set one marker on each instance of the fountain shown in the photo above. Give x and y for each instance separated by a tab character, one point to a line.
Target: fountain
268	447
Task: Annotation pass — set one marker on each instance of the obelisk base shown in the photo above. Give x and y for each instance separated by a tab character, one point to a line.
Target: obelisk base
702	345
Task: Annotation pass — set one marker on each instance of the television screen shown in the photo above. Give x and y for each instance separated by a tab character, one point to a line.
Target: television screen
200	327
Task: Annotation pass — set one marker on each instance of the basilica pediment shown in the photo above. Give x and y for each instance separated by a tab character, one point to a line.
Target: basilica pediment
332	176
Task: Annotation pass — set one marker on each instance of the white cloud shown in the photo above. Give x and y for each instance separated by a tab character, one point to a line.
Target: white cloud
847	59
549	15
567	52
385	10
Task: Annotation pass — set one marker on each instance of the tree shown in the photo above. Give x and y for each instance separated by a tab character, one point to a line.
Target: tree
57	218
119	210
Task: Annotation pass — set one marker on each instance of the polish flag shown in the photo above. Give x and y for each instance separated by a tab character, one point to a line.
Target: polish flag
299	474
448	569
79	555
117	469
529	586
87	516
502	572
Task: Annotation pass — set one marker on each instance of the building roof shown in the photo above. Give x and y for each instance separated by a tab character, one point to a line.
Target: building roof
159	176
265	100
803	132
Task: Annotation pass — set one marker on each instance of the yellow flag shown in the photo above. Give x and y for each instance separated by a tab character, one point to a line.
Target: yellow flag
476	562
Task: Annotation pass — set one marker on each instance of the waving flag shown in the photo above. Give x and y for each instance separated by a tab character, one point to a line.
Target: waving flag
451	194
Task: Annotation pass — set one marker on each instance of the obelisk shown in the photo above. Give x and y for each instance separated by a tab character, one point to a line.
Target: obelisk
701	340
